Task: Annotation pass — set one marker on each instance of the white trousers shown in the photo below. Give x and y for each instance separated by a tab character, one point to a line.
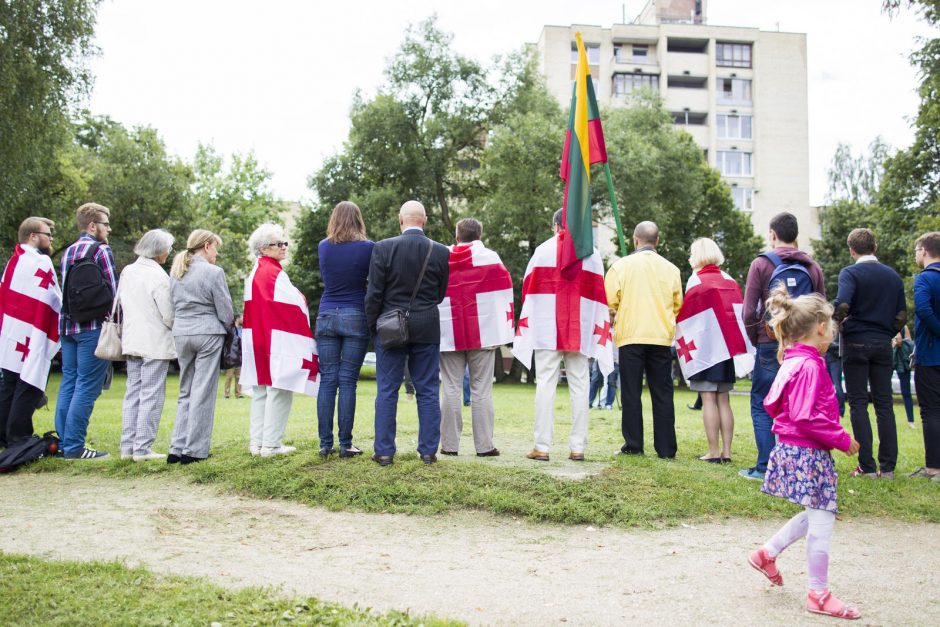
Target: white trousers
547	370
270	409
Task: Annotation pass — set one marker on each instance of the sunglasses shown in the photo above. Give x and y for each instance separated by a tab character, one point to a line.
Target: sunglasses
279	244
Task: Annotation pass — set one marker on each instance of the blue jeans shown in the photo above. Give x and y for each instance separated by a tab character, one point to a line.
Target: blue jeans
765	371
342	340
83	376
834	366
597	382
904	379
466	386
424	363
612	387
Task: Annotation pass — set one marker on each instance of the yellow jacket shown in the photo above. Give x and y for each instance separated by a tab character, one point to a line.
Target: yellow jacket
644	291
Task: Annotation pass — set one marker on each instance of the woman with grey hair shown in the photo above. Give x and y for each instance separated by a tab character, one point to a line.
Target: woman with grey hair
279	355
147	342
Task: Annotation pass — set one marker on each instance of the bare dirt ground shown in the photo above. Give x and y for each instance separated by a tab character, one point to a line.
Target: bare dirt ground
470	566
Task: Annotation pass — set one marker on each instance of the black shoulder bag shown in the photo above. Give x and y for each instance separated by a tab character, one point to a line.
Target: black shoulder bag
392	326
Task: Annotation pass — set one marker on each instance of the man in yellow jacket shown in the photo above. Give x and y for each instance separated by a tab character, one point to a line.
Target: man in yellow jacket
644	291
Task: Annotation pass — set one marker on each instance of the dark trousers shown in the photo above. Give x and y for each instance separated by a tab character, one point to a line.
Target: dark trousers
656	363
18	401
868	366
927	382
424	364
834	366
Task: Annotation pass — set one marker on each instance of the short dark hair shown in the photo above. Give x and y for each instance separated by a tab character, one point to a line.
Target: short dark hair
930	242
862	241
558	218
468	230
785	226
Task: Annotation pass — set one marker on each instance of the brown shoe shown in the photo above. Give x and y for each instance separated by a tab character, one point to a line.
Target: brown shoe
576	457
537	455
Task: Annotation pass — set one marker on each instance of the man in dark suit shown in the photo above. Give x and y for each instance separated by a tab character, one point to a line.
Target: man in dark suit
393	273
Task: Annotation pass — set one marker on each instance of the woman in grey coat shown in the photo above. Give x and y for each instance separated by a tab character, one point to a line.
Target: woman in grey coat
203	311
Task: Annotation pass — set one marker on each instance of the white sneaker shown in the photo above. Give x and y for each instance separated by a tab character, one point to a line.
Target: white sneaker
146	457
254	450
270	451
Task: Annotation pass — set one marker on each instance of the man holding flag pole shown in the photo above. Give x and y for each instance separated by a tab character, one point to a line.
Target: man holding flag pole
564	307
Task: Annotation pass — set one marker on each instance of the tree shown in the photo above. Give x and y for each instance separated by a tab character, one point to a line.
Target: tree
231	203
660	174
44	45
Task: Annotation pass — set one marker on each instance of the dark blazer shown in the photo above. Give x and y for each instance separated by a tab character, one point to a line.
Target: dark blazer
396	263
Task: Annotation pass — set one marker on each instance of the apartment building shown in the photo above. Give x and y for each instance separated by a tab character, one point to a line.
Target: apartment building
740	92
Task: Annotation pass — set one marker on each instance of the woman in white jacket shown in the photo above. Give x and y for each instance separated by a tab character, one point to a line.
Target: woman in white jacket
147	343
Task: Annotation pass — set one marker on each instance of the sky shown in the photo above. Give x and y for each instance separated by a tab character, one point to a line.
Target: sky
277	77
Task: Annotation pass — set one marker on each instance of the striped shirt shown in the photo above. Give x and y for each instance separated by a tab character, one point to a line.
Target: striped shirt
104	258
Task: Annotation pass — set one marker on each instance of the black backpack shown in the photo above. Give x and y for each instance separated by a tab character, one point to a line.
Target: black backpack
88	294
28	450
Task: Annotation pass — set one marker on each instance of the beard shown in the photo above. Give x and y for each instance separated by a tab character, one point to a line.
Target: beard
47	251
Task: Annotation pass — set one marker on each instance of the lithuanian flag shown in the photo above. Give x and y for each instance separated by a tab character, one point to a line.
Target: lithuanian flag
584	145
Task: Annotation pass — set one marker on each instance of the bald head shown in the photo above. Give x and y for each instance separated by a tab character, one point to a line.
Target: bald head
412	214
646	233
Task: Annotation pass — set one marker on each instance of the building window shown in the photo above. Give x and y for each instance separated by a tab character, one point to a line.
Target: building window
631	53
734	91
733	55
733	163
626	83
743	198
593	54
687	82
687	118
734	126
694	46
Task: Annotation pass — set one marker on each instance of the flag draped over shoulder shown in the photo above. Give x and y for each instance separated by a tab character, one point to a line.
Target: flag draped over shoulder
710	324
278	348
584	145
30	302
561	313
477	311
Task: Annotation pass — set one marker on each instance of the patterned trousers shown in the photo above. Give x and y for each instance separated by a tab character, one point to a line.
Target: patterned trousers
143	404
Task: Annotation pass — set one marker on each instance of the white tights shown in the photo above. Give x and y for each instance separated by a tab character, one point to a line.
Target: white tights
816	525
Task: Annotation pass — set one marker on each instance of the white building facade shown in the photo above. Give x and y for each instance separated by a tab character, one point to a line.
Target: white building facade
740	92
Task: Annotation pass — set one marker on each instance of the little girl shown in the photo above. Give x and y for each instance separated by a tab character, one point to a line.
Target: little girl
802	402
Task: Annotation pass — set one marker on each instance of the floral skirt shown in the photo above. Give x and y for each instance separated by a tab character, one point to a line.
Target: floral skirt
804	476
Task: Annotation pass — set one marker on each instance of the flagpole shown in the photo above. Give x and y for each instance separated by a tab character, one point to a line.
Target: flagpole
613	205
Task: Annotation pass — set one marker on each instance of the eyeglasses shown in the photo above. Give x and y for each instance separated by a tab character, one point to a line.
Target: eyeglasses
49	234
107	224
279	244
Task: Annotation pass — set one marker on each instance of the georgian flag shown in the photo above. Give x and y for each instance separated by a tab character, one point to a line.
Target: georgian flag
278	348
564	314
30	302
477	311
710	324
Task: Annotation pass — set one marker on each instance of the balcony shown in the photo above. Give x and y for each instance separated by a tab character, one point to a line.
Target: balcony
679	99
687	63
699	133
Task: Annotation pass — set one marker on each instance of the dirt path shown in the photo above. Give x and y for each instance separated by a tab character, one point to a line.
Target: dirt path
469	566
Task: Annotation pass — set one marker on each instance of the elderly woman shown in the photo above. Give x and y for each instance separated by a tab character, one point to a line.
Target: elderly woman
342	333
147	343
711	289
279	355
203	311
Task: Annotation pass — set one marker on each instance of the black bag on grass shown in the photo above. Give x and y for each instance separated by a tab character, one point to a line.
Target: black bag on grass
28	450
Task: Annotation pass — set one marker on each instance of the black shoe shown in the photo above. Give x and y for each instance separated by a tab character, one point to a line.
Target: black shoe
693	407
188	459
493	453
350	451
383	460
326	451
710	460
172	459
451	453
429	459
629	451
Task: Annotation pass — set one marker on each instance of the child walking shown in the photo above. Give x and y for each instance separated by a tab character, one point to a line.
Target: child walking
802	402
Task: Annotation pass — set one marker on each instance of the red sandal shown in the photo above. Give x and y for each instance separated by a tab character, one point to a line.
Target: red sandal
763	563
826	604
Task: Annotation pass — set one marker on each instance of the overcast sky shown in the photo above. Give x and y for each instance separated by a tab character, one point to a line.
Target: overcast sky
277	77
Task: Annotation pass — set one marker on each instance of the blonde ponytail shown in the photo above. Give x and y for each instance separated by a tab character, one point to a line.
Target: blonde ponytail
195	242
795	319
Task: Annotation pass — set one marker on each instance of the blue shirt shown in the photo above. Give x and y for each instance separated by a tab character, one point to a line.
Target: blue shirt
927	317
345	271
875	294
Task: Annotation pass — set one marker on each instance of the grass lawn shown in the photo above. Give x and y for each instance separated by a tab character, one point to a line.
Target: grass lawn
41	592
604	490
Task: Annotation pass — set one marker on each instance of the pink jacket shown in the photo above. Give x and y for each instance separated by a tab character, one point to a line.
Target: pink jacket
802	402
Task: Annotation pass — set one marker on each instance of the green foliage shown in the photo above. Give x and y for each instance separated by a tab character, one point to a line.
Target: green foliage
660	174
831	251
44	45
305	264
231	203
40	592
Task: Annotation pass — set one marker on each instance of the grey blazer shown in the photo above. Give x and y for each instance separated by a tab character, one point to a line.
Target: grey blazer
201	300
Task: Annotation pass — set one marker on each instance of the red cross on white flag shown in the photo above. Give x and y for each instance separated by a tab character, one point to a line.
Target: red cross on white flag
30	302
